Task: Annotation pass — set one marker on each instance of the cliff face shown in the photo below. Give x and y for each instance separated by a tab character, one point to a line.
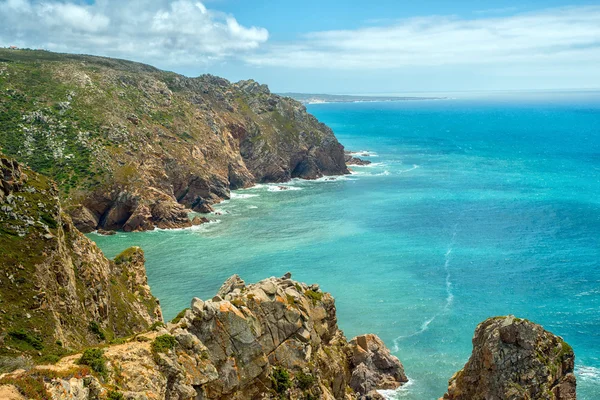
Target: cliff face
132	147
515	359
274	339
57	290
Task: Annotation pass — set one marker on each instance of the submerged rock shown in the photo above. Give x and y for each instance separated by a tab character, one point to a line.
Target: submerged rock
515	359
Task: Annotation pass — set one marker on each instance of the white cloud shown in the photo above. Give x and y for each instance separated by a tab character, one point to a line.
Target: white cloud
565	35
169	33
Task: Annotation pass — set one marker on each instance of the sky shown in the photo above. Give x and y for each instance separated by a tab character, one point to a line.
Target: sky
331	46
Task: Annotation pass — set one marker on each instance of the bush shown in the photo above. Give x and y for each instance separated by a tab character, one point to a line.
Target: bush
9	364
163	343
280	379
29	386
24	336
115	395
305	381
94	358
95	329
179	316
314	296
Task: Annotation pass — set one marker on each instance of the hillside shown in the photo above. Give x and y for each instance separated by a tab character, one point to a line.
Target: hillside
58	293
133	147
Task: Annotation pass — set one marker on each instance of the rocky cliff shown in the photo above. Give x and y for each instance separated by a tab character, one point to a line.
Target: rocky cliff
57	290
515	359
274	339
134	147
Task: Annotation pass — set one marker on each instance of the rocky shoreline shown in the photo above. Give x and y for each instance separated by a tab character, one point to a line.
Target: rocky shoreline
77	326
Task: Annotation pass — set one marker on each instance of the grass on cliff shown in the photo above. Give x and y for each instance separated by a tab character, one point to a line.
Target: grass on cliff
163	343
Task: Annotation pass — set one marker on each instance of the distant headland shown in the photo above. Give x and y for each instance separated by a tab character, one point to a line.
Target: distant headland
312	98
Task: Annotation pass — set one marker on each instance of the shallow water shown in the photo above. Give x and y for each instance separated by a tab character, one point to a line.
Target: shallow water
472	208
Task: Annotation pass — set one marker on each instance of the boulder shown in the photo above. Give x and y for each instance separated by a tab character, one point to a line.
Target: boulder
514	359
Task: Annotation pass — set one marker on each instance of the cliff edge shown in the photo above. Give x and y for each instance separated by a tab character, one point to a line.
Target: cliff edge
133	147
58	293
515	359
274	339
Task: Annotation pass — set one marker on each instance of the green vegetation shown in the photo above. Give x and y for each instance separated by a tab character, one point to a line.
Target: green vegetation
305	381
163	343
280	380
94	358
115	395
31	387
179	316
95	329
314	296
26	337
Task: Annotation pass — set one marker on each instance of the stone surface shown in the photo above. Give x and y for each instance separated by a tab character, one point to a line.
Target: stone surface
236	346
515	359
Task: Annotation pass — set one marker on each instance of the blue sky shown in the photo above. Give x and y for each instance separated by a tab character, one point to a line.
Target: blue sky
347	46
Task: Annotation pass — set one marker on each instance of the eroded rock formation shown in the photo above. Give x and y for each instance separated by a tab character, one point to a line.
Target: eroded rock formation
515	359
133	147
57	290
274	339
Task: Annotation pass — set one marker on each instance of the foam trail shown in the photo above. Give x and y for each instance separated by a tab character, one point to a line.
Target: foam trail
415	166
447	305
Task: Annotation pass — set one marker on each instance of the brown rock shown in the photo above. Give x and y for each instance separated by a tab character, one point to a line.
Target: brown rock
515	359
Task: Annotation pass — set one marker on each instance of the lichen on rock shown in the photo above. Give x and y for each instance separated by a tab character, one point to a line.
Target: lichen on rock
514	359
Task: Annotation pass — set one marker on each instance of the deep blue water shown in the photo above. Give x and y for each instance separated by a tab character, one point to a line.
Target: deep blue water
472	208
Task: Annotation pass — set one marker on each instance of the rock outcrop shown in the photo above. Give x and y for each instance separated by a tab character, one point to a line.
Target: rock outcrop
515	359
133	147
58	292
274	339
350	159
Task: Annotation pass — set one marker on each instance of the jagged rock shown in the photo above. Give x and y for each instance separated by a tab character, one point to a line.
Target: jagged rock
236	348
351	160
374	366
515	359
80	285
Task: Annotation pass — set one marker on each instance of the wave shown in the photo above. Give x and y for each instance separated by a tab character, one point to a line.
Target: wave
282	188
234	195
364	153
587	373
415	166
391	394
363	173
447	304
372	165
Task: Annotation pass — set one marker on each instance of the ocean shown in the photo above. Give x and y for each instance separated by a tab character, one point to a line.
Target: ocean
474	206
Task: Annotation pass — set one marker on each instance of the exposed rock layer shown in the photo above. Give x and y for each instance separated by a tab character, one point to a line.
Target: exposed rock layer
515	359
274	339
57	290
134	147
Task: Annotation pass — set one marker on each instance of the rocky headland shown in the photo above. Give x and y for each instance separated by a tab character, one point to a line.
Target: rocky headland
133	147
515	359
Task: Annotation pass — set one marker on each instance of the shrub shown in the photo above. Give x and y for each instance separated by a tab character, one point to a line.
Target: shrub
9	364
280	379
24	336
179	316
115	395
314	296
305	381
29	386
94	358
95	329
163	343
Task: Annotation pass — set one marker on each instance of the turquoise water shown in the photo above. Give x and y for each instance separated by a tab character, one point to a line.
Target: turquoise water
472	208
